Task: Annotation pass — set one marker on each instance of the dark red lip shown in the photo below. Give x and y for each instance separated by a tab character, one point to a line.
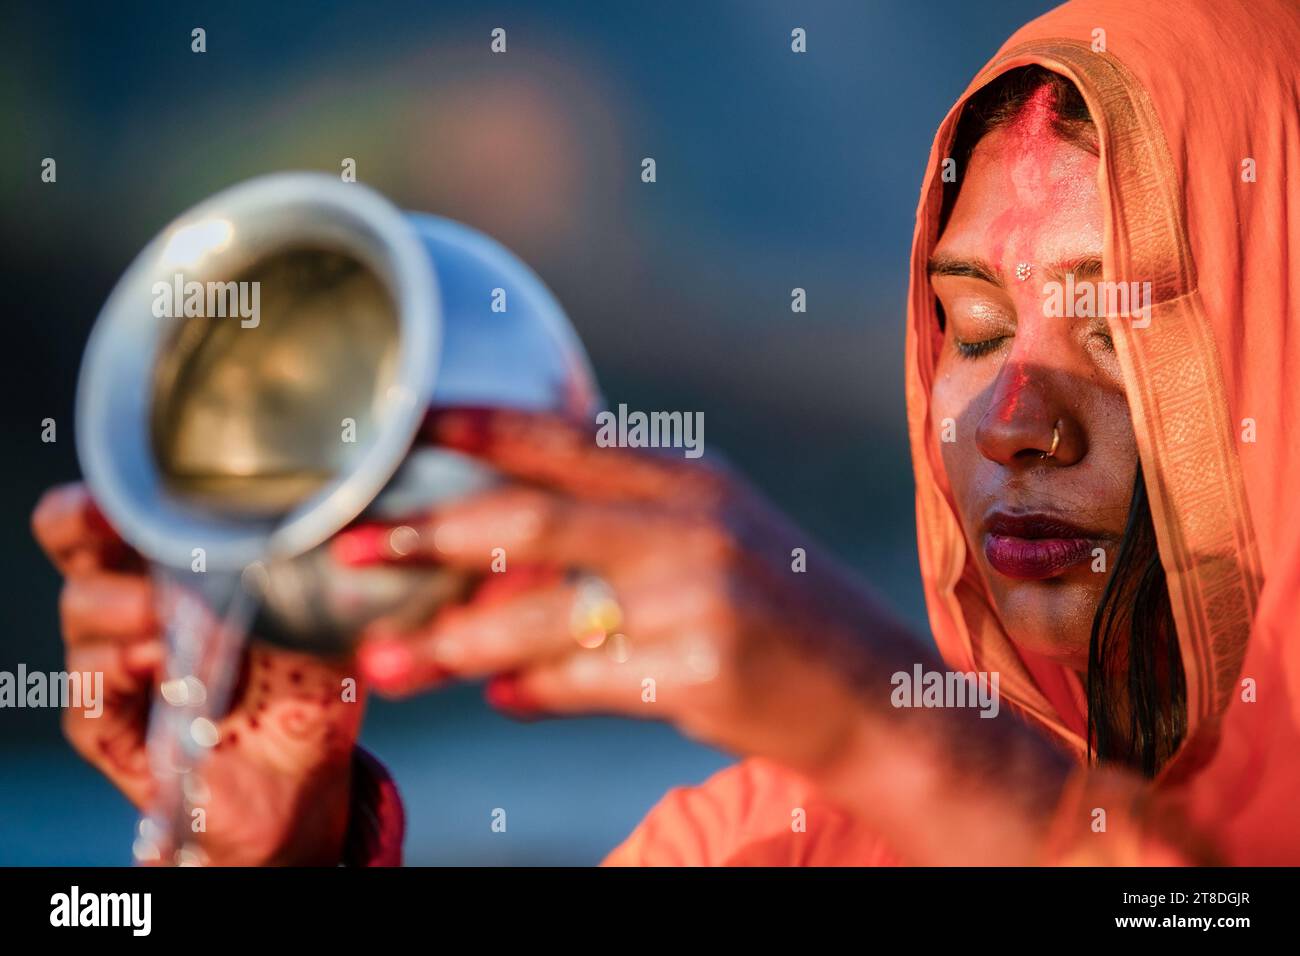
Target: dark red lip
1034	547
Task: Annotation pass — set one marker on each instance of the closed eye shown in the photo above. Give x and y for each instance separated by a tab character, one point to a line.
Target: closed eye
1107	343
976	349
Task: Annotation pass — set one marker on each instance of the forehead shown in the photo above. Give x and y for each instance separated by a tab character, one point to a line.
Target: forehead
1026	193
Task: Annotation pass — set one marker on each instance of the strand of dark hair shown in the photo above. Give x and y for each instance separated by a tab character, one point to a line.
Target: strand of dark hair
1134	644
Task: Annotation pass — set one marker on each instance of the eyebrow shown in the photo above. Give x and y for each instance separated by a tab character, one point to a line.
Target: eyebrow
941	265
1082	267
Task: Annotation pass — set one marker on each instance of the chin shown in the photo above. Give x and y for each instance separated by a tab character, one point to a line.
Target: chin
1052	619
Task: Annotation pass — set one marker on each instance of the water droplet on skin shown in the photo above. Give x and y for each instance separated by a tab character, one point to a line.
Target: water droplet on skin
702	661
196	791
175	692
255	578
190	856
617	648
204	732
403	540
196	692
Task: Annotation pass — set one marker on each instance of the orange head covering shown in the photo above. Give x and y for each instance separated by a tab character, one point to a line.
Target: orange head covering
1196	111
1195	105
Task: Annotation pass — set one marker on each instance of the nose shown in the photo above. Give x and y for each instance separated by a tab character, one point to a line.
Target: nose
1027	420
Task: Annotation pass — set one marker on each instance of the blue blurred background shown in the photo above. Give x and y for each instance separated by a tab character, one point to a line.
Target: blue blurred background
775	170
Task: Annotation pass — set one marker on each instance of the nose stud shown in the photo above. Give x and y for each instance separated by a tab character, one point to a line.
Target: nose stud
1023	271
1056	441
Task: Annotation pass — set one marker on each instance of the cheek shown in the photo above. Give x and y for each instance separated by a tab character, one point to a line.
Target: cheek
955	414
1112	446
1117	421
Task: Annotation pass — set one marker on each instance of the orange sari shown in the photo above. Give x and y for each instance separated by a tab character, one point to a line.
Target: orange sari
1196	110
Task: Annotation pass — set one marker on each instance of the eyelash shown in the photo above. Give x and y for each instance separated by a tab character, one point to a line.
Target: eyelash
973	350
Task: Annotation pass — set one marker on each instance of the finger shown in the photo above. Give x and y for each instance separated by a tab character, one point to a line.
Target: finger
475	641
109	731
646	682
534	526
73	532
520	579
469	642
108	607
557	452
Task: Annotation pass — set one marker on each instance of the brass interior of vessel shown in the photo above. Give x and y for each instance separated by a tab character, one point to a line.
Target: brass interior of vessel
253	420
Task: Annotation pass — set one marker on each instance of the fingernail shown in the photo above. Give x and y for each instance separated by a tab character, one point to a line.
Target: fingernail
364	545
505	692
386	664
463	428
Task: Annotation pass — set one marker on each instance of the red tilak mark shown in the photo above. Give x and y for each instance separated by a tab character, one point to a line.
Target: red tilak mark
1037	115
1026	163
295	677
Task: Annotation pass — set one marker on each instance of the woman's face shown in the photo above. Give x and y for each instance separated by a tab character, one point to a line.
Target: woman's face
1044	531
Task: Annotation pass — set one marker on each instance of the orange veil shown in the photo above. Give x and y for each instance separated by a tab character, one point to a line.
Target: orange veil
1196	109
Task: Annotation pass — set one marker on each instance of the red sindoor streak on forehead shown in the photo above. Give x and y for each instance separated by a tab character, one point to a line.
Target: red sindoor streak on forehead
1026	161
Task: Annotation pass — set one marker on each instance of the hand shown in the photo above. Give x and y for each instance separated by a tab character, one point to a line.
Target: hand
280	777
721	634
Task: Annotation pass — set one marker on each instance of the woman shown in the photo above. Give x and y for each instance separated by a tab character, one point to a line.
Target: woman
1101	516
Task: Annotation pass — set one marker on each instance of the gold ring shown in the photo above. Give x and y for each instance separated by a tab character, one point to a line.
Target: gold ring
1056	441
596	613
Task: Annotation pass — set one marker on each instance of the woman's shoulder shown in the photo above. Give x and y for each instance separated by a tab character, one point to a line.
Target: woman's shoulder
754	813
